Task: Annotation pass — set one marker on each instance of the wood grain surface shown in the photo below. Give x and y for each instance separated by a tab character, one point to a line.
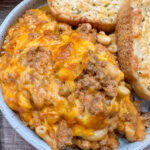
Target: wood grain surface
9	139
6	6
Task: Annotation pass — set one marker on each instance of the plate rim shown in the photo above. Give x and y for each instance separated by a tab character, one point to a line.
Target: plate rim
26	133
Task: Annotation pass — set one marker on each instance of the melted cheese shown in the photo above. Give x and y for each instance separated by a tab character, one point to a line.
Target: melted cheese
24	86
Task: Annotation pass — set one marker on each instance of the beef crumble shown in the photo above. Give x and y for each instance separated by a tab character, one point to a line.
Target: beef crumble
94	87
64	135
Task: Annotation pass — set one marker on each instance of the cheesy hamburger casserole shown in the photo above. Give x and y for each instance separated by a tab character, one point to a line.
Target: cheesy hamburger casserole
66	86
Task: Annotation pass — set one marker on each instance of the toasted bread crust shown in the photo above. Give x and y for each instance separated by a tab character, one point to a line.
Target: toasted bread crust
107	26
141	90
129	21
126	56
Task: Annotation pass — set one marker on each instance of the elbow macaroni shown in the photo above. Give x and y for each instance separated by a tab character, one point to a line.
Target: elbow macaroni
32	83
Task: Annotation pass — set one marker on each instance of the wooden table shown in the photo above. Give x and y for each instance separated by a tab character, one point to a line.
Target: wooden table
9	139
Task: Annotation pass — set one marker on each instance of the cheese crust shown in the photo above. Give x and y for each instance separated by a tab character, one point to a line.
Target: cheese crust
66	86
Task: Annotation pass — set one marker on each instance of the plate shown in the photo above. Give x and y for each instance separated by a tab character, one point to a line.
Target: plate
14	120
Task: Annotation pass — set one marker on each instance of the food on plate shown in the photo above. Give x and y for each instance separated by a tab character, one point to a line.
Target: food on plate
101	14
133	33
113	46
66	86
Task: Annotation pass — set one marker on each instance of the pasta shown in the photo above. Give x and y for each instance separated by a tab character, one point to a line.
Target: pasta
98	135
65	85
41	131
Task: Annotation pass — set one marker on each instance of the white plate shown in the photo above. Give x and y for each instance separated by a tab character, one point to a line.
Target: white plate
13	119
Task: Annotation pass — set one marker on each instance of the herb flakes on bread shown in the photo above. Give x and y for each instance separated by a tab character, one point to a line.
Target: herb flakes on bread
133	36
101	14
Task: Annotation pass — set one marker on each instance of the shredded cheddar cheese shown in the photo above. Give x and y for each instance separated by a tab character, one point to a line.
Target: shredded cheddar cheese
40	75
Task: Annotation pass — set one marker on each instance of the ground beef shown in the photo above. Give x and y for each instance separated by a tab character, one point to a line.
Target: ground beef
97	104
90	79
146	116
39	76
83	144
92	104
95	78
95	88
87	145
39	58
64	135
87	33
110	86
89	82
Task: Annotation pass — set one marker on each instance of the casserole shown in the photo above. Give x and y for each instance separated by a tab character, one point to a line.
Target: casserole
11	117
